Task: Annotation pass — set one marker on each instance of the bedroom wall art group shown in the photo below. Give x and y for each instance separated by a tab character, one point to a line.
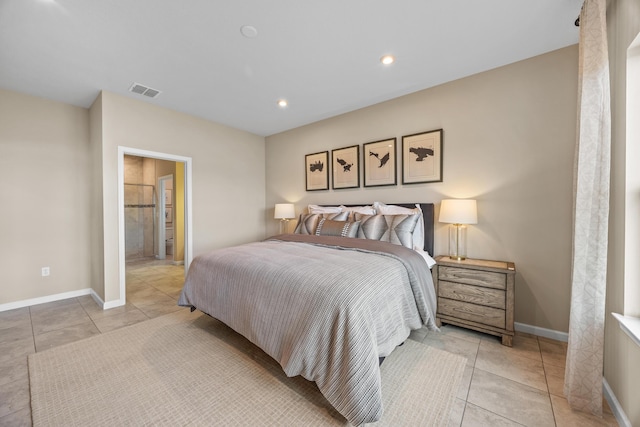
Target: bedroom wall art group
421	163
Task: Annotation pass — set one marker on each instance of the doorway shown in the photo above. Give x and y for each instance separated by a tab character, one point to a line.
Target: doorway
180	212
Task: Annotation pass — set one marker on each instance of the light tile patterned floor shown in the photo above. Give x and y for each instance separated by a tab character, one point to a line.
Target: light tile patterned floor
510	386
502	386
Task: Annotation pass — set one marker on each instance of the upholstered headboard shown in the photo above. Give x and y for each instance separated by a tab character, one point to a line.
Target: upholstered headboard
428	217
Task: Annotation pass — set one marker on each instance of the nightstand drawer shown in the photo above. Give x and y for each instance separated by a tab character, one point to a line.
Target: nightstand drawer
473	277
473	294
472	312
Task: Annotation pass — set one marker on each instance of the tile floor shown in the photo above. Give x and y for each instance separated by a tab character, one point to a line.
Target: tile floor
510	386
502	386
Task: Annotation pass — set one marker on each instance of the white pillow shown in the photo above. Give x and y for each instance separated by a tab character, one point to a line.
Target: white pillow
383	209
365	210
418	233
315	209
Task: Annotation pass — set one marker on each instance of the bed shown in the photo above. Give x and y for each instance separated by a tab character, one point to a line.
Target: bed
327	306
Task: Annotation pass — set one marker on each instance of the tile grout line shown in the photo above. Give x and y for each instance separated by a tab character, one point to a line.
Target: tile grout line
89	316
33	333
544	369
517	382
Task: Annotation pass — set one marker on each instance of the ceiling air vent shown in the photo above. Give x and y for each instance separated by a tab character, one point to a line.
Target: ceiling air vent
144	90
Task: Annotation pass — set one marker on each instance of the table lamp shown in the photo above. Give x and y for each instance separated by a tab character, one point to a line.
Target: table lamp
284	212
458	213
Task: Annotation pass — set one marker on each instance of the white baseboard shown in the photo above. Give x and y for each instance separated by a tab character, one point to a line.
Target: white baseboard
541	332
106	305
113	304
97	298
58	297
45	299
617	410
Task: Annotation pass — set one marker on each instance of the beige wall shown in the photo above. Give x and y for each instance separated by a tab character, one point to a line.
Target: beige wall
228	174
509	137
622	356
58	180
45	183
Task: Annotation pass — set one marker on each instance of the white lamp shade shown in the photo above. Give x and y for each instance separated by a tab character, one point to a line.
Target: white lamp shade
458	211
285	211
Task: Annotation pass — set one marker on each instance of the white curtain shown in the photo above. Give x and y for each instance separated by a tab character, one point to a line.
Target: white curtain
583	374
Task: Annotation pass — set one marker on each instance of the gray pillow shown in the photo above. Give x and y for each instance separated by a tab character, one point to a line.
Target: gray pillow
308	223
418	233
396	229
327	227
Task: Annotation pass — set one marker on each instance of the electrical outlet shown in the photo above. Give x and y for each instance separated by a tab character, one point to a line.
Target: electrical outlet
45	271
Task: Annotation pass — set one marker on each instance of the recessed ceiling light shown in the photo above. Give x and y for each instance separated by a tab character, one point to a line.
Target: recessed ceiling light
388	59
248	31
282	103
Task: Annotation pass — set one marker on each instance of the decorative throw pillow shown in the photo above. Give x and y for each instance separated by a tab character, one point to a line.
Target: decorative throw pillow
396	229
308	223
327	227
418	233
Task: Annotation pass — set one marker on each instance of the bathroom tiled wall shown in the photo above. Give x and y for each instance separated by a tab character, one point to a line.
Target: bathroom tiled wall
139	210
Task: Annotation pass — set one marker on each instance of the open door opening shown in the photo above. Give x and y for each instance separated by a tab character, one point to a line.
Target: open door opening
154	232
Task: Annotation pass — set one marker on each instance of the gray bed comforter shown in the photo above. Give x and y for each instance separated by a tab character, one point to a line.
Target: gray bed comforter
324	307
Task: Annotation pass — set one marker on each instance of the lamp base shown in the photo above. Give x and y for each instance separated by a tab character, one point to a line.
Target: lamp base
458	242
284	226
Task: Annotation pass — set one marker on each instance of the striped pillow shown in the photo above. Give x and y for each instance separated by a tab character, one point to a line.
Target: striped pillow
327	227
308	223
396	229
418	233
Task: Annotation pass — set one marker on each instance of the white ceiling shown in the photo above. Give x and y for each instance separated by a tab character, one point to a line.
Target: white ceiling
322	56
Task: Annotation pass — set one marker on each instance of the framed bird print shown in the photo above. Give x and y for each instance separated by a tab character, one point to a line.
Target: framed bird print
345	164
379	163
317	171
422	157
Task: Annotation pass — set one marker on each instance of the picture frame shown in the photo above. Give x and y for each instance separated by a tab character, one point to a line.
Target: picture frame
379	163
316	168
422	157
168	215
167	197
345	165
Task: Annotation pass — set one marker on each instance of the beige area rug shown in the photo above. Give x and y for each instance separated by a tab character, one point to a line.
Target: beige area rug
189	369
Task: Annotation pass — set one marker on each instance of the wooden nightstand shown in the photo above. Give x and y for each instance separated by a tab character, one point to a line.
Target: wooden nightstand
476	294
